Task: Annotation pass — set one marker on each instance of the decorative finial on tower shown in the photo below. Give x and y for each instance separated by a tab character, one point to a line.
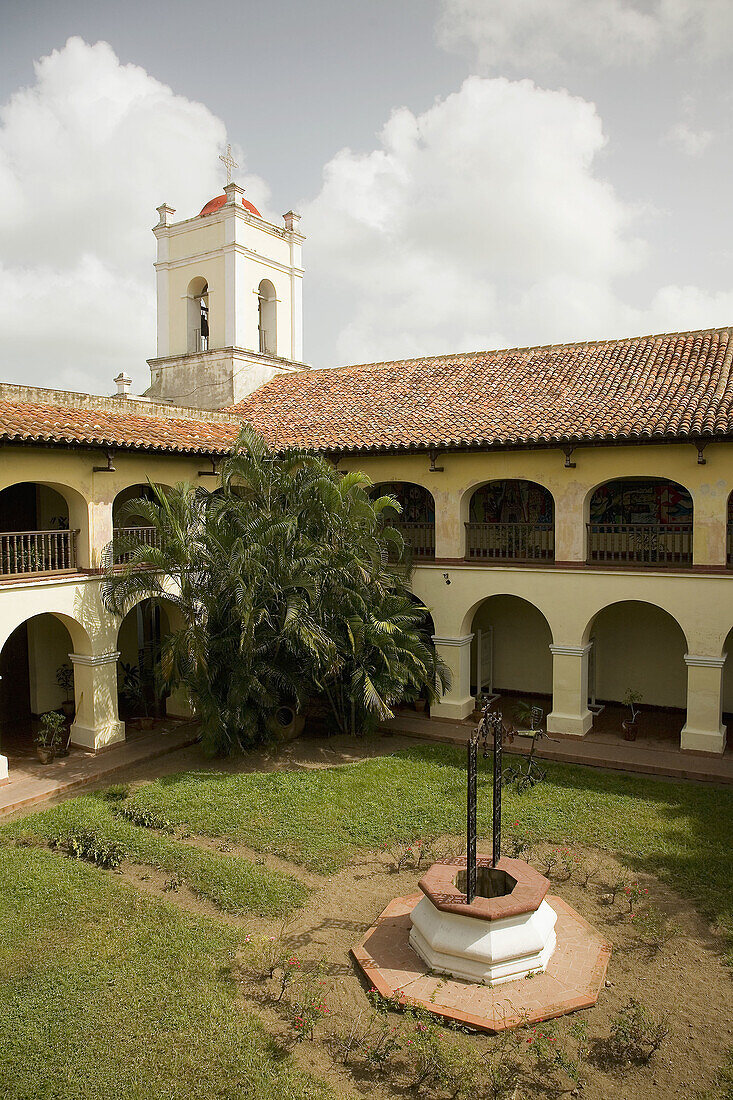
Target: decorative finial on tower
229	162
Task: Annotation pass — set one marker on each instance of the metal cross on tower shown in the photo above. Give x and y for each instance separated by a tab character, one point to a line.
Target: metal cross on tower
229	162
490	727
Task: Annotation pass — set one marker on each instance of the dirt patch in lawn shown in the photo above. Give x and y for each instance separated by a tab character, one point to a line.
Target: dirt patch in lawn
678	977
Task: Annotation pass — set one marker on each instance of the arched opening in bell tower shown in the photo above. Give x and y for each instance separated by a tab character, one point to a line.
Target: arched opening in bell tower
267	317
198	315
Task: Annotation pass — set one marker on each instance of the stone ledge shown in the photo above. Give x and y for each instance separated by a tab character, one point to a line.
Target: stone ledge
438	884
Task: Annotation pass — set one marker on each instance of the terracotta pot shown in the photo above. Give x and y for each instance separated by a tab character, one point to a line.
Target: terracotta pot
420	705
629	729
45	755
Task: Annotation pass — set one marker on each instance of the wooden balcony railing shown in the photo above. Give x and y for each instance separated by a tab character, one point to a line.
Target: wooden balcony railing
35	552
419	540
653	544
147	535
519	542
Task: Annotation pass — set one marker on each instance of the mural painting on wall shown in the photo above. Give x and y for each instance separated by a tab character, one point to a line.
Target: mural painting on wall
511	502
660	502
417	503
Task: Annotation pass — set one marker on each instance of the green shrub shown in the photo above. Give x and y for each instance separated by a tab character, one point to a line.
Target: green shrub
146	819
88	846
636	1034
116	792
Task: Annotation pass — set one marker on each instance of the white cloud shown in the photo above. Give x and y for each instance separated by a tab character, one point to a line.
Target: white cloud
86	154
548	35
479	222
688	140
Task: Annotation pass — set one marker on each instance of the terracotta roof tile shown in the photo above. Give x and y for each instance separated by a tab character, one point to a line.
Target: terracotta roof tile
668	386
36	422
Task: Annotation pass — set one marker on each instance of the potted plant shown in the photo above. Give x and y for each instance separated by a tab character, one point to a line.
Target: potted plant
629	725
529	716
65	680
49	737
136	697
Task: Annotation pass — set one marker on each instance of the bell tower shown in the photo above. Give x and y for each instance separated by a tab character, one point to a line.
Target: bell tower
230	294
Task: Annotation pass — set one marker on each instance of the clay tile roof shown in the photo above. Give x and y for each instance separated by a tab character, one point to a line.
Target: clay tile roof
100	427
669	386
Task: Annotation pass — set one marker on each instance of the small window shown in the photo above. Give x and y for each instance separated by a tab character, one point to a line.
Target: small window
267	317
198	315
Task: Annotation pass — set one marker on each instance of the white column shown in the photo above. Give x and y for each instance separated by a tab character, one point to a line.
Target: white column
570	715
97	722
177	704
3	771
704	730
458	702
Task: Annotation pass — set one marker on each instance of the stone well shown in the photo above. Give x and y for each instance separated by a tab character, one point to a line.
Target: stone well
506	933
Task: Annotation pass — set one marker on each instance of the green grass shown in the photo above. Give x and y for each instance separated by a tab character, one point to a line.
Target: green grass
323	818
106	993
234	884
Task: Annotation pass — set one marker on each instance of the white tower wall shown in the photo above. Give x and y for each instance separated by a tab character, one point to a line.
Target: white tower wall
230	253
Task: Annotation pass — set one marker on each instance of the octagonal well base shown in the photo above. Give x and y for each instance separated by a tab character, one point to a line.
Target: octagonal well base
483	951
572	980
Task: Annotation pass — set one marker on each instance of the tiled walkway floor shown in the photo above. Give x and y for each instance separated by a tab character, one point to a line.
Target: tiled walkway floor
31	782
655	752
573	979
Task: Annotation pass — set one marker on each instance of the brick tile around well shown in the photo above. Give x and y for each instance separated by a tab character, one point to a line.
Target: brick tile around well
573	979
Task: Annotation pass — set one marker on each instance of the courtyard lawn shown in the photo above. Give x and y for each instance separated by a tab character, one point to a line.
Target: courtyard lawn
681	832
107	993
233	884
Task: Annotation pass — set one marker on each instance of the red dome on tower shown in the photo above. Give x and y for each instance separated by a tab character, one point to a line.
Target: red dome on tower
217	203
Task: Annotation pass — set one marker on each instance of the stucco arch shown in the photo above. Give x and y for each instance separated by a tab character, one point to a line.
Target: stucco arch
640	478
197	295
384	487
116	502
467	622
81	640
479	483
267	317
588	630
638	646
76	501
515	636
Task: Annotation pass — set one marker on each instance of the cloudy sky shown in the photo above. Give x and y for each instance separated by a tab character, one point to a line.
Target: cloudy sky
471	173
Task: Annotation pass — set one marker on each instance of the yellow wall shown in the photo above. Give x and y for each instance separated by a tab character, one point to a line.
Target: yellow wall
640	647
49	646
522	661
568	595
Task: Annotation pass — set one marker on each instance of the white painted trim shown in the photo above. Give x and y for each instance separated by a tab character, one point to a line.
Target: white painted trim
692	659
240	249
464	640
571	650
94	661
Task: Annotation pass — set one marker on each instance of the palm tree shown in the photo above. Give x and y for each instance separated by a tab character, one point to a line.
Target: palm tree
281	582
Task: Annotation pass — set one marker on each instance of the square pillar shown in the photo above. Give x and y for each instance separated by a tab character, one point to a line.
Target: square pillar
3	771
458	702
177	704
97	722
570	715
703	730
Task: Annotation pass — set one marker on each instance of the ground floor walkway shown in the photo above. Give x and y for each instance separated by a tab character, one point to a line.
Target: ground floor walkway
30	782
656	750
